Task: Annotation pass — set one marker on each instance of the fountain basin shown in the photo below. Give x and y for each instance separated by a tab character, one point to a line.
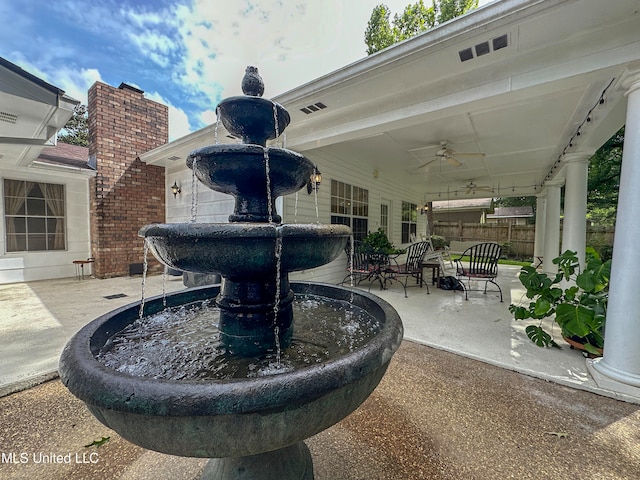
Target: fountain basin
227	418
244	250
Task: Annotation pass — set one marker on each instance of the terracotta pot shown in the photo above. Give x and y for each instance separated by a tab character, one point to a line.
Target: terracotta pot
580	346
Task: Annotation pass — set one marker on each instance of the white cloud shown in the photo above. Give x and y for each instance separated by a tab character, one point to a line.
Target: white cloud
76	83
178	119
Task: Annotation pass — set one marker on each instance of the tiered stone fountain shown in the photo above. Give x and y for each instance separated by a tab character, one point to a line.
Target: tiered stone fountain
251	426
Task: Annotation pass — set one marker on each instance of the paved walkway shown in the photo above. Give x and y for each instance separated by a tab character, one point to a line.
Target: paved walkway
38	318
435	414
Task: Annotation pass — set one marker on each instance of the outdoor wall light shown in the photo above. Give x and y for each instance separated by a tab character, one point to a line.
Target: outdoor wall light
314	180
175	189
424	209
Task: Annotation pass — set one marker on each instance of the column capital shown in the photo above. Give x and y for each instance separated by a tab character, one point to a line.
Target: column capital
577	157
631	80
554	183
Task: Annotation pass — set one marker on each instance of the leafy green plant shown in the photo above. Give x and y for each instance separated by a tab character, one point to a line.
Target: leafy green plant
378	243
438	242
579	309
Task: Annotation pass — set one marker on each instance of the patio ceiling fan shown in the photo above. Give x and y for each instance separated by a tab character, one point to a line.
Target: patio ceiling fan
450	155
473	188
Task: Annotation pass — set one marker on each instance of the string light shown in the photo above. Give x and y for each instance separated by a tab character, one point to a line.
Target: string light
578	133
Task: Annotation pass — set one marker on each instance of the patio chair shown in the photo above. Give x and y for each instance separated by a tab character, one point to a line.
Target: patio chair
482	265
411	268
366	266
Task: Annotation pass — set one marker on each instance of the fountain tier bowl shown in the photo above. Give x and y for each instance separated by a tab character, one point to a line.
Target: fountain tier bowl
227	418
244	249
239	169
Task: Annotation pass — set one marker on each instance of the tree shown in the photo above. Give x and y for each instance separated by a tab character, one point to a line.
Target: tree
76	130
604	181
415	19
379	34
602	185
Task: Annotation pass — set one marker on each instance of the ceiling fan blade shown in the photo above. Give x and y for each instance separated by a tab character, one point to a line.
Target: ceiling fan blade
453	161
469	154
428	163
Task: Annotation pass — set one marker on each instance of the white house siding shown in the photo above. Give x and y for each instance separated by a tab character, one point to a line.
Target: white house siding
215	207
30	266
343	170
212	207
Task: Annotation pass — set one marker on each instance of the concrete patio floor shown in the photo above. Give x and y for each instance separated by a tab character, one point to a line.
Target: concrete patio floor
434	415
482	328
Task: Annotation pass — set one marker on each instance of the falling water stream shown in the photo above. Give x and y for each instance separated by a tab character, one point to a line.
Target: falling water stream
145	267
194	190
276	304
215	130
267	171
276	127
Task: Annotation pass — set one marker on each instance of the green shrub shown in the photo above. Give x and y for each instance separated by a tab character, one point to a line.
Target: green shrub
439	242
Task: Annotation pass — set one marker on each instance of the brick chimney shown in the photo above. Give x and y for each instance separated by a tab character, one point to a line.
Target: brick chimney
126	193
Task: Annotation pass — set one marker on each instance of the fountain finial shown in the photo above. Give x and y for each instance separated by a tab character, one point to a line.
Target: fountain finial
252	83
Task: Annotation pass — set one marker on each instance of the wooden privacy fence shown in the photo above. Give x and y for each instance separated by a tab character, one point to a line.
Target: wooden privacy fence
520	237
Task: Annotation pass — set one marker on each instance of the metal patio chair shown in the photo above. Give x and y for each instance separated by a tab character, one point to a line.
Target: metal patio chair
411	268
482	265
366	266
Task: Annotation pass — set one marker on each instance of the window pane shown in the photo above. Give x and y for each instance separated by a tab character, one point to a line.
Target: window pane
36	206
16	243
37	242
36	225
19	224
405	233
360	228
409	220
35	192
55	242
336	220
52	224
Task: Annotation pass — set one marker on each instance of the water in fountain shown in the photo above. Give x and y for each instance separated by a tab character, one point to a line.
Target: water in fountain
183	343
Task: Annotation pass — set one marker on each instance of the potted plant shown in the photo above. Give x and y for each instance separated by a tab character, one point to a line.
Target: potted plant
579	309
377	243
439	242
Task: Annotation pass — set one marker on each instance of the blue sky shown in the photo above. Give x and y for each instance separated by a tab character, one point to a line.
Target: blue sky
187	54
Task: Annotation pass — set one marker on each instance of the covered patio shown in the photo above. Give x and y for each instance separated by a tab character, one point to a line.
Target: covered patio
511	99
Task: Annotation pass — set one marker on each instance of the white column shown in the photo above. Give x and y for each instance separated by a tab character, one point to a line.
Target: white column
552	225
574	227
619	369
538	246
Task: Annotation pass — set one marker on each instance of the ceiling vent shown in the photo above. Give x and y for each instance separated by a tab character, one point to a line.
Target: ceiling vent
316	107
173	158
8	117
484	48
